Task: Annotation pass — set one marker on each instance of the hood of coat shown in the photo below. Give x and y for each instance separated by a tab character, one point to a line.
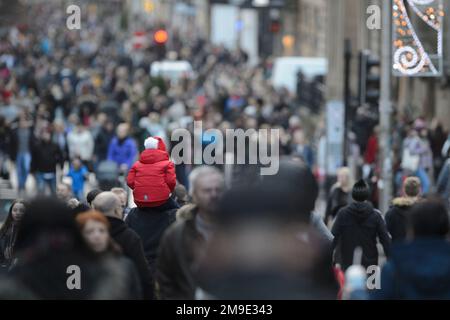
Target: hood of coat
430	277
404	202
150	156
360	210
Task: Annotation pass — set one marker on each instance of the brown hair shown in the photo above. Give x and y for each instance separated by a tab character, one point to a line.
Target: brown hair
412	186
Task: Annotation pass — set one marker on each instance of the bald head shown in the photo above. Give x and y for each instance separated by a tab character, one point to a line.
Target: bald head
108	204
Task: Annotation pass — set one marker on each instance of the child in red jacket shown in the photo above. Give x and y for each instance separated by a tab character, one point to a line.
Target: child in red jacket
152	178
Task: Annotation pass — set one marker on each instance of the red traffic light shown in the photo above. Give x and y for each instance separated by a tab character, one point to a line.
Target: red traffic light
275	26
161	36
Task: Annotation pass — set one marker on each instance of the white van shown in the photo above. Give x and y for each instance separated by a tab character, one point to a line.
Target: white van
285	69
172	70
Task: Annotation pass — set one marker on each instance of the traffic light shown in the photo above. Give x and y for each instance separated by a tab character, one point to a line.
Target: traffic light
160	38
369	78
275	26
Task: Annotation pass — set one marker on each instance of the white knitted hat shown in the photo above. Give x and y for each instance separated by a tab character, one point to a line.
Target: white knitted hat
151	143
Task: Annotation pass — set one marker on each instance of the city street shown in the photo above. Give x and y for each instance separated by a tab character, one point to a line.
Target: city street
225	150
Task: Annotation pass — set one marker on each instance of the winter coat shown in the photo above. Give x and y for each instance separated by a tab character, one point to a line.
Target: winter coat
337	200
370	156
122	152
152	178
416	270
132	248
359	225
150	224
102	141
80	144
78	178
396	217
45	157
177	255
7	241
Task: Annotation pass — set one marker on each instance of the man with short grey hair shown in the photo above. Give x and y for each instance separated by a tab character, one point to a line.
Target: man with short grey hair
186	238
109	204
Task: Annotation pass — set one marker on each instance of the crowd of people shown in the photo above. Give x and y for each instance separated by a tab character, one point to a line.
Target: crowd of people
82	116
258	242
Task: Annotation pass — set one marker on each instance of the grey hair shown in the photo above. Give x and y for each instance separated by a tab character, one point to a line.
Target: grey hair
106	202
201	171
119	190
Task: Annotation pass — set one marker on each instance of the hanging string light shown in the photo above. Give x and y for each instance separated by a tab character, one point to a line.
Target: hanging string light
410	57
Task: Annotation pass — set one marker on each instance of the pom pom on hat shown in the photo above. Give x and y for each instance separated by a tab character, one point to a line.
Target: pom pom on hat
151	143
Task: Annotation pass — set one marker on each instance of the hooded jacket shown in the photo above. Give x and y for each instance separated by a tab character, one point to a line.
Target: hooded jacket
150	224
132	248
152	178
359	225
396	217
417	270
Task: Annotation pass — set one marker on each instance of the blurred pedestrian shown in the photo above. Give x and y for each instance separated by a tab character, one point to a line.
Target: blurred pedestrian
81	144
22	140
46	156
397	215
123	197
79	174
302	149
109	205
122	148
339	195
414	158
264	246
95	230
103	139
443	182
48	243
64	192
184	241
8	232
91	195
420	268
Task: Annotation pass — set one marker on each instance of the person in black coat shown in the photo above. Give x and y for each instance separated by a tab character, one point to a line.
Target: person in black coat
102	140
109	204
359	225
339	194
150	224
45	157
396	216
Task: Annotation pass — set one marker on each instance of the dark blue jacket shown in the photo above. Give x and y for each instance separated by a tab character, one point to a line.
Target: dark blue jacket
416	270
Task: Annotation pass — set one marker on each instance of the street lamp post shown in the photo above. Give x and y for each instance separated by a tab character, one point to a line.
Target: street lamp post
385	184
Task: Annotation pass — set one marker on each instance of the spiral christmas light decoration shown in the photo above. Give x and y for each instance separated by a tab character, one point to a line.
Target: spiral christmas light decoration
409	56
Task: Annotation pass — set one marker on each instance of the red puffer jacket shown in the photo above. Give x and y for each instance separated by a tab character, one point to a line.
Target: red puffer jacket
152	178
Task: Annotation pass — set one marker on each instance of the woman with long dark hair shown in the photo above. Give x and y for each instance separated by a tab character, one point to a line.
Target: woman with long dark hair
8	232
